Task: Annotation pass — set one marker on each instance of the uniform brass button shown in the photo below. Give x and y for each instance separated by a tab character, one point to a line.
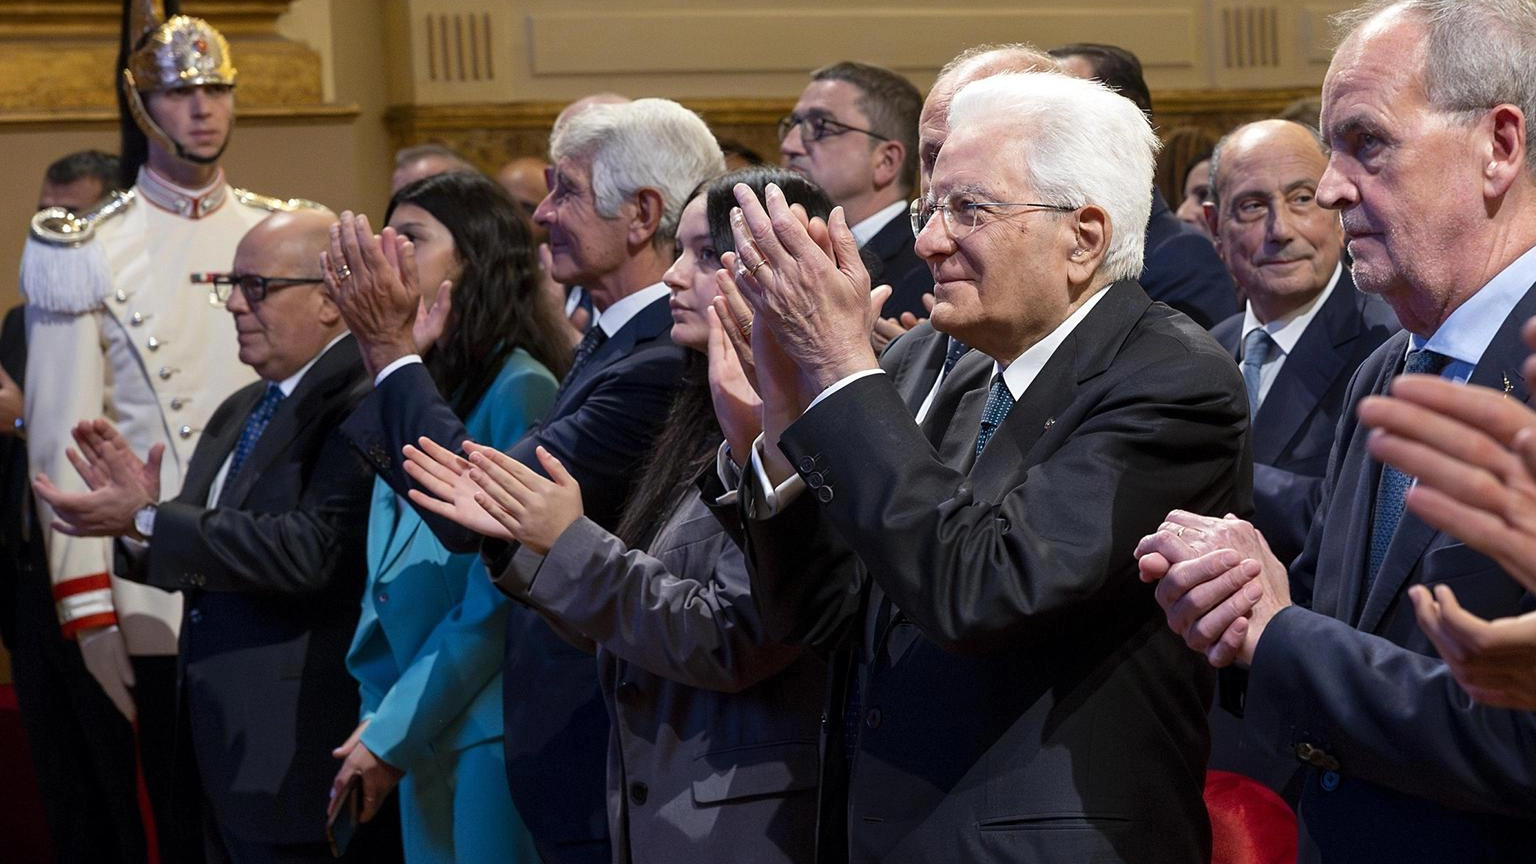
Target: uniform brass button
165	373
137	318
153	343
120	296
176	404
185	432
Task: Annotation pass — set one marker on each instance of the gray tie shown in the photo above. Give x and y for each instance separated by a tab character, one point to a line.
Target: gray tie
1256	347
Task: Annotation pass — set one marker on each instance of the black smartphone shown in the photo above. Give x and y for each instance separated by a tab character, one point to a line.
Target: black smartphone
342	822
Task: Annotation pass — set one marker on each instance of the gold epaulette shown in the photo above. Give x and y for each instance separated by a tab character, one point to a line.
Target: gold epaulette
253	199
57	226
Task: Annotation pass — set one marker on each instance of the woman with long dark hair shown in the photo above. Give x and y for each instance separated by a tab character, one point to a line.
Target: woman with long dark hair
428	648
714	742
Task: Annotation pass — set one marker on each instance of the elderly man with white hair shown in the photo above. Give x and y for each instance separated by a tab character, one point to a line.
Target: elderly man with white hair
1012	695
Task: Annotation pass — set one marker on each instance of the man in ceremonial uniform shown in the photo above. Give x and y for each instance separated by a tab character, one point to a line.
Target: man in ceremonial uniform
117	329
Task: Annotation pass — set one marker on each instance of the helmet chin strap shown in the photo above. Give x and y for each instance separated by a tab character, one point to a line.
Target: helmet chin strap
159	136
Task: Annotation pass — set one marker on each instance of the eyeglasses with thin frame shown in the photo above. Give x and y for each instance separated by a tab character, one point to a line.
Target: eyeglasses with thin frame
254	286
815	127
962	213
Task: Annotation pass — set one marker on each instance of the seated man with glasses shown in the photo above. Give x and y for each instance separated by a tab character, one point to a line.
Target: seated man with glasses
854	132
266	540
1014	692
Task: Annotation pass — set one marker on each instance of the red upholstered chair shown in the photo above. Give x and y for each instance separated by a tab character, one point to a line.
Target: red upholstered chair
1250	824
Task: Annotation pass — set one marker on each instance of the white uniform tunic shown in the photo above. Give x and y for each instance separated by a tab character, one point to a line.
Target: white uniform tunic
143	347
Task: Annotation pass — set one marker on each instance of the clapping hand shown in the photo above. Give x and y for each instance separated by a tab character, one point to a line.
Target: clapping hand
120	483
447	490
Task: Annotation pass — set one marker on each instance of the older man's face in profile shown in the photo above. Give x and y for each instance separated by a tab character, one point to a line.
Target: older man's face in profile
1403	173
1001	284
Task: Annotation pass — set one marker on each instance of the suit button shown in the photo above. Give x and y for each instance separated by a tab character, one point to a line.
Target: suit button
814	480
638	793
383	597
872	718
185	432
807	464
626	692
824	724
1330	781
195	616
824	494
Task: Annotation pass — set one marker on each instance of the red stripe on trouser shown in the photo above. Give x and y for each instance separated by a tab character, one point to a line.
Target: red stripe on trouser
146	809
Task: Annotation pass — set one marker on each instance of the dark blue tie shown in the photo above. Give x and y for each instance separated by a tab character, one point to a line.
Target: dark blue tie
999	402
956	350
261	415
1394	483
584	350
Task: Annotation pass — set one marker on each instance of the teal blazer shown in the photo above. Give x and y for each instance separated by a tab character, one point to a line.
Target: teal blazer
428	649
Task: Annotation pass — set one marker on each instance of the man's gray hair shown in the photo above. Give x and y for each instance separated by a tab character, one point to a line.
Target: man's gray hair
648	143
1221	145
1082	144
1477	55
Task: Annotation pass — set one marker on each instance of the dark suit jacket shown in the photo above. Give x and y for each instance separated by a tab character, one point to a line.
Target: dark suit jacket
1183	270
1294	429
1405	768
1021	697
601	426
900	267
272	578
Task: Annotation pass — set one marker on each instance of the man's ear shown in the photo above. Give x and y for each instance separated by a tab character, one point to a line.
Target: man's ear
1505	150
890	159
1091	233
646	220
326	312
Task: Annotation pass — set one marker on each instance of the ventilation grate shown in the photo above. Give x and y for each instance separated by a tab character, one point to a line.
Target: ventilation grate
1251	37
459	47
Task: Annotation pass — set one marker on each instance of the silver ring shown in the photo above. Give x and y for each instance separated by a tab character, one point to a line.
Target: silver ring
1180	531
343	273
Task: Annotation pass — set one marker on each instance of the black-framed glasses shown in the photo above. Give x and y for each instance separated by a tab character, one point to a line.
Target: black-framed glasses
962	213
815	127
254	286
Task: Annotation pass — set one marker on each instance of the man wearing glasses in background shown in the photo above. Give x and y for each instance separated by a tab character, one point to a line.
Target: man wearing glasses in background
854	132
266	541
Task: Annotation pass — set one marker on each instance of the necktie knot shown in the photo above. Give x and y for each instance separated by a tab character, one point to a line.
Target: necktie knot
999	403
1425	362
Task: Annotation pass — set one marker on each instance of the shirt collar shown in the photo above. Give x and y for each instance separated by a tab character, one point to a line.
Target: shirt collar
617	315
188	203
291	383
1471	326
1023	370
1287	329
867	229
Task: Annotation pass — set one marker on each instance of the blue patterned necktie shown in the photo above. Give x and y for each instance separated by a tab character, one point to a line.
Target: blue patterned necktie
588	346
999	402
1256	347
1394	483
255	424
956	350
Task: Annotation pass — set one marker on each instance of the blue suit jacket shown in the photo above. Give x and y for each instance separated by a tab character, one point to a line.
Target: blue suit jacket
1404	767
428	647
600	426
1183	270
1294	429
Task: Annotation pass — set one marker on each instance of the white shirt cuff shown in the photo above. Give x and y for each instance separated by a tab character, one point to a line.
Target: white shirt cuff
403	361
729	474
840	384
774	498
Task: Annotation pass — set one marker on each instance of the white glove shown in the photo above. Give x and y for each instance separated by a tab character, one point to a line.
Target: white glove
106	657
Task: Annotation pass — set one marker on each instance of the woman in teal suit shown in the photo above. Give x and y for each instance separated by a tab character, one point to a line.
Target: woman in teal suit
428	649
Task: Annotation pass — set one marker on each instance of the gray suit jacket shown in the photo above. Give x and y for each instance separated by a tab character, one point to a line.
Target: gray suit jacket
712	753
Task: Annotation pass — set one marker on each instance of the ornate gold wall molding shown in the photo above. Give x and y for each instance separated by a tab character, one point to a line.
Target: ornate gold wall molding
490	134
57	56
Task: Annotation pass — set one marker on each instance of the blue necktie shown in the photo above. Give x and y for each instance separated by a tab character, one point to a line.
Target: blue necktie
1394	483
999	401
584	350
956	350
1256	347
261	415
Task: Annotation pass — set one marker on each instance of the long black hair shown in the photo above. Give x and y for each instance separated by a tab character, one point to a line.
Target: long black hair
686	445
497	304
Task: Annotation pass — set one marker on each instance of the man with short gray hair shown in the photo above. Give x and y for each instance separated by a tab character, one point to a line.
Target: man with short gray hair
1426	108
622	173
1014	694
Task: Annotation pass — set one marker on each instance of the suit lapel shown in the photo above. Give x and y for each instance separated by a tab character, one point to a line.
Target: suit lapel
1498	369
1309	370
919	367
216	445
646	325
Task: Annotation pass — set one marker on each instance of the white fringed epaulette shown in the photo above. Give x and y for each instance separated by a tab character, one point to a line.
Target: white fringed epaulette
63	269
267	202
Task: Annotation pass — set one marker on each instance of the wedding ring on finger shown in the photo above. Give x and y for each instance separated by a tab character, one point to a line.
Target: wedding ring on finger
343	273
